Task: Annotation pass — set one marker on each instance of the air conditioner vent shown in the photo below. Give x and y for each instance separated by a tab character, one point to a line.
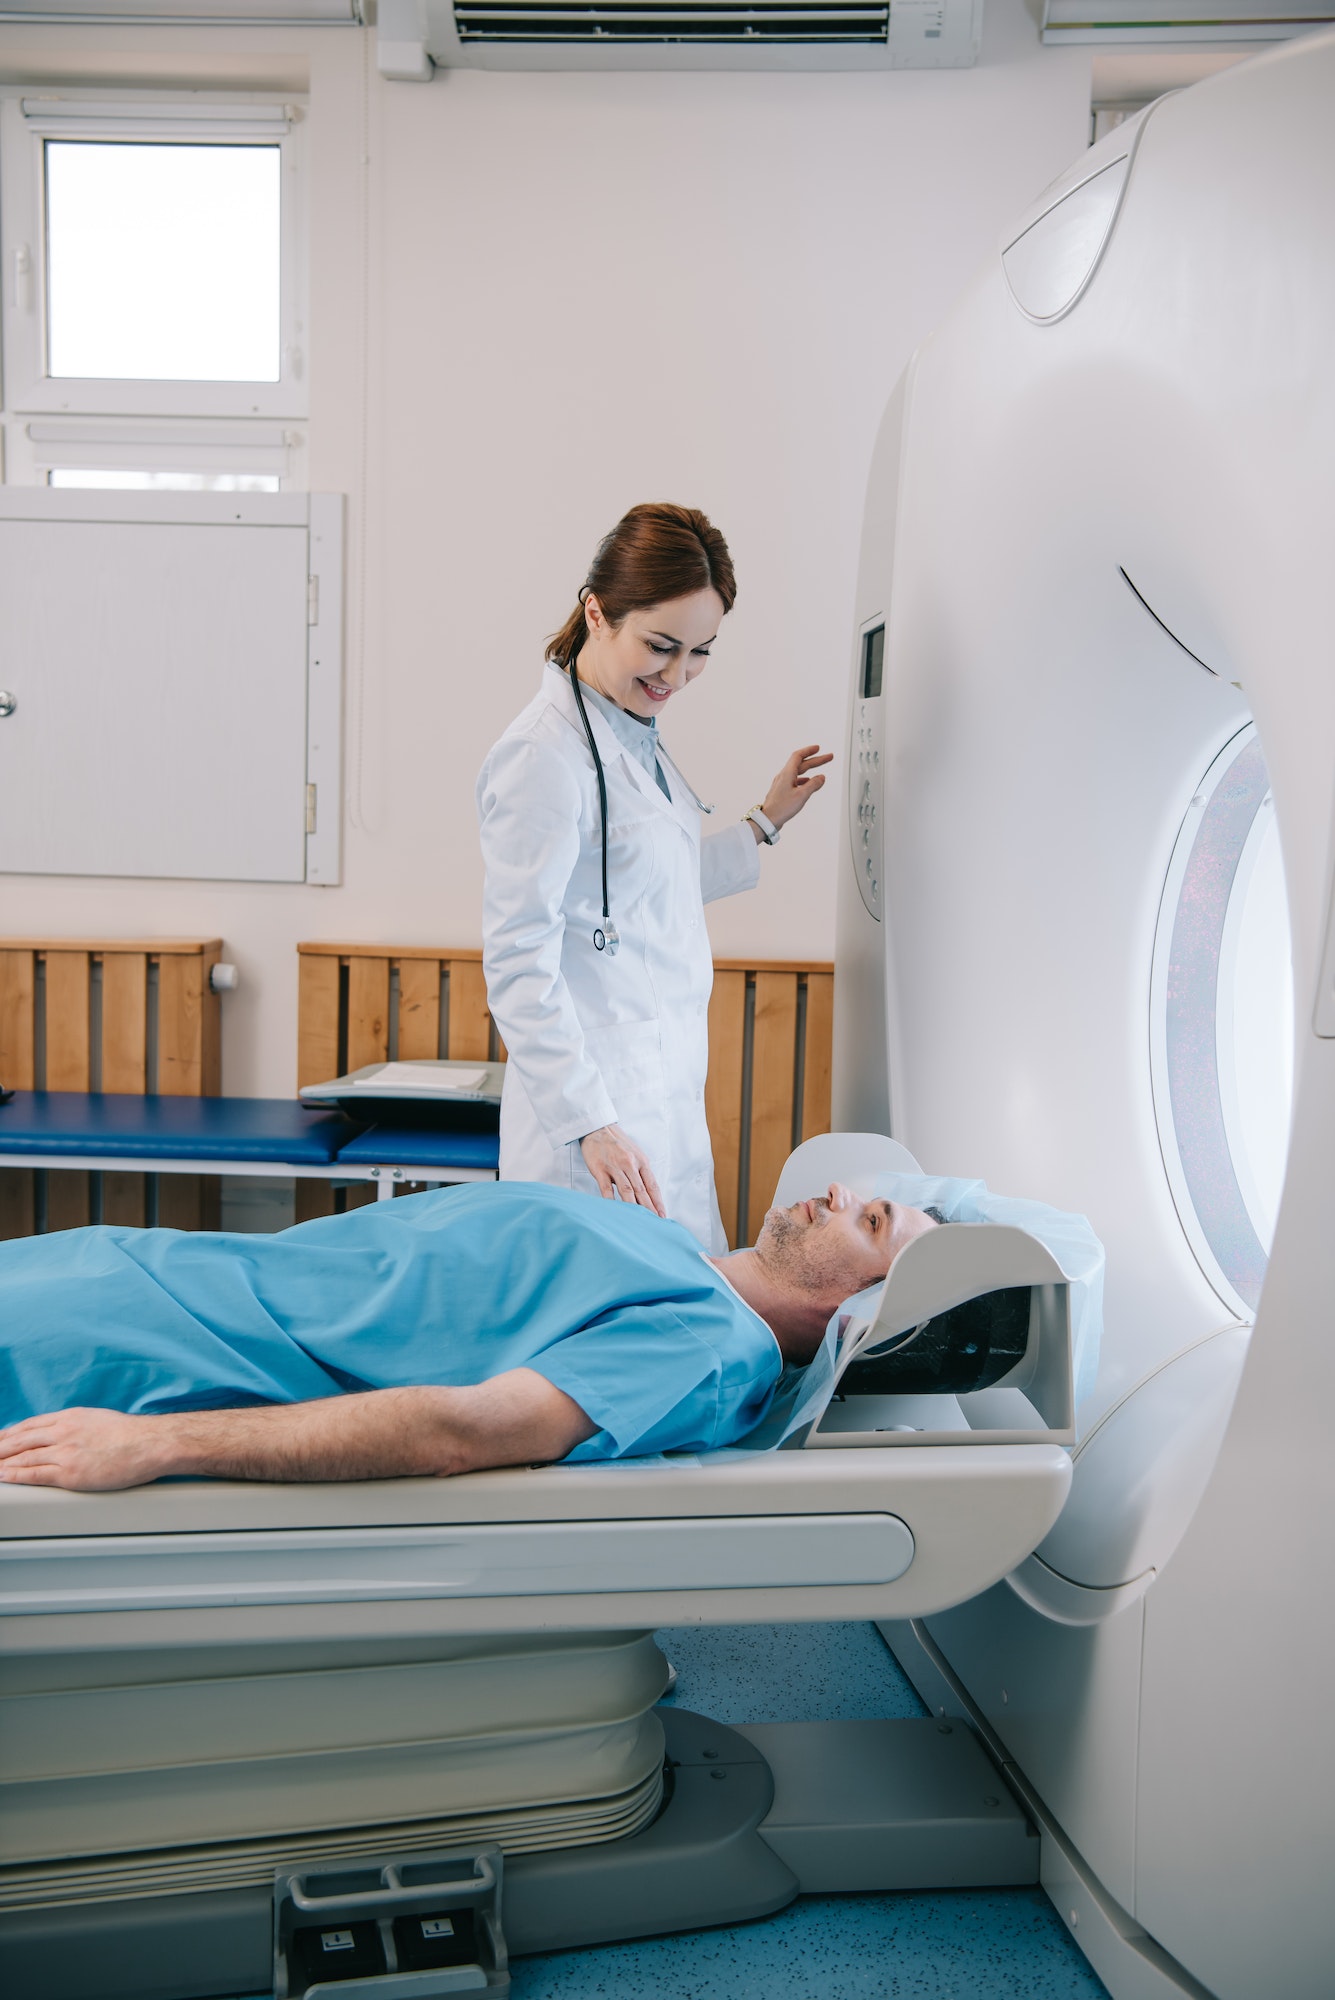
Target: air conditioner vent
417	37
787	22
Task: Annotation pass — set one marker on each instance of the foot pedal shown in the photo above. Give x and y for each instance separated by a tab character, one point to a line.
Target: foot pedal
409	1927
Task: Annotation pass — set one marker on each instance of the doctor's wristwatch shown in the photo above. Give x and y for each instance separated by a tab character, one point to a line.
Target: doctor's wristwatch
764	825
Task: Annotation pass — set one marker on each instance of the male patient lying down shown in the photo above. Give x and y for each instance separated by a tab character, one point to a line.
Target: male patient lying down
446	1332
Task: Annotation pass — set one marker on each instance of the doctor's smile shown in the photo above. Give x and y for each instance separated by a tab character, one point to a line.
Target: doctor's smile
640	663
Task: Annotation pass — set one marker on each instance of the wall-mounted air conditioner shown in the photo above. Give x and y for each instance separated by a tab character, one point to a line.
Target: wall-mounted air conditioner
1217	22
415	35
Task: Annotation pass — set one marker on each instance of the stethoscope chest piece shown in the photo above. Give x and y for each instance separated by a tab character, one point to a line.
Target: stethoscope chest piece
607	938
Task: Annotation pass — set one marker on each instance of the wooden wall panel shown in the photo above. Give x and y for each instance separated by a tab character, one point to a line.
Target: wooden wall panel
312	1198
68	1199
773	1064
818	1054
67	1012
124	1200
18	982
125	1022
210	1054
18	1207
184	1004
470	1023
419	1009
317	1022
723	1090
368	1012
188	1201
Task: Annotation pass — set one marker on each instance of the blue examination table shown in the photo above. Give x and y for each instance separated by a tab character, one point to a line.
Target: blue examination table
254	1136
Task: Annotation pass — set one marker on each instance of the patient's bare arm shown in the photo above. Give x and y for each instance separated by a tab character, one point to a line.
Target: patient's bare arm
515	1419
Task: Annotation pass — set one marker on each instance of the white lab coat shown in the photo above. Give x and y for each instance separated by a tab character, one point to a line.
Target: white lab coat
594	1039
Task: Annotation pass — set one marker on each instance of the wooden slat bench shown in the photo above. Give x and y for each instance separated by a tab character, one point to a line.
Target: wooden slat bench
770	1031
112	1051
123	1016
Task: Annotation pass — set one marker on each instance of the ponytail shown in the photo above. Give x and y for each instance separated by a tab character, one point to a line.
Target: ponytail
655	553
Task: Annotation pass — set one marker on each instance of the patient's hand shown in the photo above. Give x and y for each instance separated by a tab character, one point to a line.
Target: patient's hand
88	1451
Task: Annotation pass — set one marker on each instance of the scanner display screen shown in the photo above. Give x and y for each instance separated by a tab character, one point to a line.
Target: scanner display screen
873	661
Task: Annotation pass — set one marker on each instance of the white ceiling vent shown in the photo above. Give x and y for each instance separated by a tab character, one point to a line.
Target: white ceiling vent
416	35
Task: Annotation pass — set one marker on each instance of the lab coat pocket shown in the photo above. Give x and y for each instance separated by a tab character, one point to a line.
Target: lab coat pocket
629	1056
632	838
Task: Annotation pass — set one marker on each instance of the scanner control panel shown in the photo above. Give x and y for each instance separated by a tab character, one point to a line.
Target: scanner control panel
865	780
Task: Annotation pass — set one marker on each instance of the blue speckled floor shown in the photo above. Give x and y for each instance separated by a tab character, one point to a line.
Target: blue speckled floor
787	1673
962	1944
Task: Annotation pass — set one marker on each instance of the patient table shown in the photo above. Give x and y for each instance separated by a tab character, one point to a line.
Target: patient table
204	1682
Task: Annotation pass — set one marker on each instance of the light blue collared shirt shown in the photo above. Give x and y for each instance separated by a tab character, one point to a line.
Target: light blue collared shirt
639	737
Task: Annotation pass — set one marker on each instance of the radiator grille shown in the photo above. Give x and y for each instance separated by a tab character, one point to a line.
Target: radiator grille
542	21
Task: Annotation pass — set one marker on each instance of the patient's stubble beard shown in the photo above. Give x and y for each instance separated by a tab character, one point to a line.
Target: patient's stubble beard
802	1255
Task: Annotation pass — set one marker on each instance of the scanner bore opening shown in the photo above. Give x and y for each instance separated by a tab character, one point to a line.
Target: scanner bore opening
1222	1036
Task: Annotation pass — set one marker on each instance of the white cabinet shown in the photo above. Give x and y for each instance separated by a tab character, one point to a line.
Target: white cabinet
173	668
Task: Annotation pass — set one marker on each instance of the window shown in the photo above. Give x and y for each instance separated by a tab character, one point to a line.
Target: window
162	261
1222	1017
154	268
165	482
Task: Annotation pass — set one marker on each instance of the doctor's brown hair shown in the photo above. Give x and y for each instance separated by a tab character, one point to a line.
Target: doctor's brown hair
655	552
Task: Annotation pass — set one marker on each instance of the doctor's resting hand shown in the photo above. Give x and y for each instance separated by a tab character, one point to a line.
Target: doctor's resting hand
621	1168
799	780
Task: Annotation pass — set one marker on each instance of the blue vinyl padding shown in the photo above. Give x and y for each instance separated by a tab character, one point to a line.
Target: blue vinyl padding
77	1124
407	1146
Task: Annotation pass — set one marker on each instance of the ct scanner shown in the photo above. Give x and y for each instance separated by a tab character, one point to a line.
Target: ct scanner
1095	618
1091	677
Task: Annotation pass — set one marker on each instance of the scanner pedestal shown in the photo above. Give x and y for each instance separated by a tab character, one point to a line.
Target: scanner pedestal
751	1819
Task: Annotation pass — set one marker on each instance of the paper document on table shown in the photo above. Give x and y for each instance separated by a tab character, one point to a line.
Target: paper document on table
420	1076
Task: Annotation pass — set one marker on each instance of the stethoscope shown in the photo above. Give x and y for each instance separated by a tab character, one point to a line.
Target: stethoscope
606	936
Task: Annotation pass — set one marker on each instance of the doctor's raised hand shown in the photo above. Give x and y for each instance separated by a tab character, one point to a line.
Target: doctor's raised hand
597	960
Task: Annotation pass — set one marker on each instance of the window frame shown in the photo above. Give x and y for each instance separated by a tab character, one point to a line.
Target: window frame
28	119
38	446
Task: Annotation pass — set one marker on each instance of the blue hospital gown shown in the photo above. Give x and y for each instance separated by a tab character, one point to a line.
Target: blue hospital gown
610	1303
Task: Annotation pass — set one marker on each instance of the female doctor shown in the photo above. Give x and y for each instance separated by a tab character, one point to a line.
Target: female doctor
597	961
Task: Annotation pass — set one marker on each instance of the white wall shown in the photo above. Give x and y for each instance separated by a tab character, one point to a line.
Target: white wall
543	299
